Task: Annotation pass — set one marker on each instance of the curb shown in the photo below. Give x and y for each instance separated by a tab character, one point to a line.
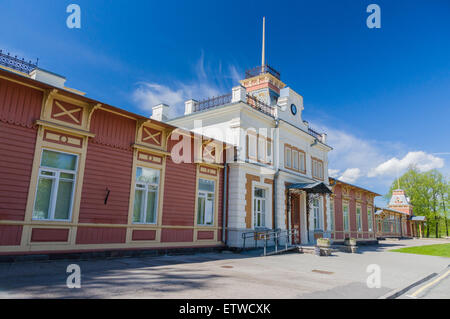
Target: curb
400	291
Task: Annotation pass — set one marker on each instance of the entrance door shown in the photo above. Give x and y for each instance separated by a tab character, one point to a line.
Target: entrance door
295	217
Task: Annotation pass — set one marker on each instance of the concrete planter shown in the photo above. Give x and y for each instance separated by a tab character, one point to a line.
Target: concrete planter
350	242
323	247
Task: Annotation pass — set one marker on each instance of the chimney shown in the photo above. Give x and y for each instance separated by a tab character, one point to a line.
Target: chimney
239	94
160	112
189	106
48	77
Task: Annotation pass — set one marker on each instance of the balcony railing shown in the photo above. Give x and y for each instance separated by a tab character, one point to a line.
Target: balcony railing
260	106
262	69
212	102
15	63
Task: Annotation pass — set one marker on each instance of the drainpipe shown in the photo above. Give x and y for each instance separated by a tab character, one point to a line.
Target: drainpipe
275	177
224	203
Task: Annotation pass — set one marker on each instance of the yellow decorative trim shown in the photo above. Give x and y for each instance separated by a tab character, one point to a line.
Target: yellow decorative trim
64	128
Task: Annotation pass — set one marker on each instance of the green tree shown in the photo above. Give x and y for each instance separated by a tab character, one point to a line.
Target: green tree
428	193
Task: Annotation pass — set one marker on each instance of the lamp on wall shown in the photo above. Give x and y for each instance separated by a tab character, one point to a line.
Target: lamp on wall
107	195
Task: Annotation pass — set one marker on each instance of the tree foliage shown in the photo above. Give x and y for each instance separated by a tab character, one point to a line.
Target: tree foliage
428	193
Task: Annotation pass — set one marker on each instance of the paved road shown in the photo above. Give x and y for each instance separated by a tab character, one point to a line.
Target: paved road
217	275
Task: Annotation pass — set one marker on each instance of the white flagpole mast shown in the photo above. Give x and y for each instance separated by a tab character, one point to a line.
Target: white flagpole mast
263	43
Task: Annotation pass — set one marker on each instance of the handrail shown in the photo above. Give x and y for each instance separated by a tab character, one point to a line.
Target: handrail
267	234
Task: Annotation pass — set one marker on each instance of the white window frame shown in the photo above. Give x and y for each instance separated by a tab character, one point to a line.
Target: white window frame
146	189
345	217
369	219
317	222
295	158
332	214
287	159
358	219
204	194
262	148
261	199
301	161
54	191
269	151
252	145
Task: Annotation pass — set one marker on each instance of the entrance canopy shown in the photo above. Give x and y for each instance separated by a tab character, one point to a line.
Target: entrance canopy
418	218
310	188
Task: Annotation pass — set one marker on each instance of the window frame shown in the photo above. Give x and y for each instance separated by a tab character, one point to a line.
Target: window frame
262	199
300	154
332	217
345	217
54	190
144	216
206	197
315	162
369	219
316	214
359	224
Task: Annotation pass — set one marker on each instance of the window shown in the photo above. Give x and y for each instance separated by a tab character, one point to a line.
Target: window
146	196
261	148
259	207
205	202
369	219
345	213
358	218
295	160
332	214
269	151
316	213
287	157
55	186
251	145
302	161
317	168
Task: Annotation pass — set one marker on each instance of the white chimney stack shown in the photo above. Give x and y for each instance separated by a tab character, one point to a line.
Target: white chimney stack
189	106
160	112
48	77
239	94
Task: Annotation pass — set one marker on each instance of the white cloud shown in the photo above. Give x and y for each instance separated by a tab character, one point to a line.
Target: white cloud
394	166
350	175
333	172
209	82
371	163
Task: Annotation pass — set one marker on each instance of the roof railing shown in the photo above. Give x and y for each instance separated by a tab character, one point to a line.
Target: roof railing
262	69
212	102
260	105
13	62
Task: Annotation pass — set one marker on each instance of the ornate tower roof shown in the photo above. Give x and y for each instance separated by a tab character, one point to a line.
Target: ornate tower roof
399	201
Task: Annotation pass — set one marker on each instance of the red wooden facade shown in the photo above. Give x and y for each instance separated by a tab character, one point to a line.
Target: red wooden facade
110	145
354	212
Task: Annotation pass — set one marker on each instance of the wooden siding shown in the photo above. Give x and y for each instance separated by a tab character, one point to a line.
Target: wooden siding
113	130
140	234
20	105
10	235
106	168
177	235
179	194
100	235
49	235
16	161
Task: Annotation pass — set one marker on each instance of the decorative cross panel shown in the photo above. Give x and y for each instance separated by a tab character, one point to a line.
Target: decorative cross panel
346	191
67	112
151	136
209	151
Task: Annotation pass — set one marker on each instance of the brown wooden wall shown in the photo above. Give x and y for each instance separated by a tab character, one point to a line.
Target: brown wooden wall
108	166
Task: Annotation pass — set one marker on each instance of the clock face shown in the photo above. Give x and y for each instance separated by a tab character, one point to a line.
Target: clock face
293	109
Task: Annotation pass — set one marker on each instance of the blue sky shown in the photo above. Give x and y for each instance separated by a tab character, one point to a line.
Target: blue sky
382	95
